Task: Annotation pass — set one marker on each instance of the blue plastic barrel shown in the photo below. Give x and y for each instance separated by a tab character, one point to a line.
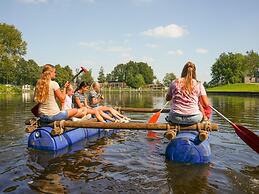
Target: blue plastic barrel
42	139
187	148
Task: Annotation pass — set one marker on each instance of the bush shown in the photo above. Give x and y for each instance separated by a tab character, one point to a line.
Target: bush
10	89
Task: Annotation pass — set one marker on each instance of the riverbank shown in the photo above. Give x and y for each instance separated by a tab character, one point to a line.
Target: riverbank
239	88
10	89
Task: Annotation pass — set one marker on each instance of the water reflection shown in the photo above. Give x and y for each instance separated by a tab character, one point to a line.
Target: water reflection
27	97
186	178
239	109
128	162
53	171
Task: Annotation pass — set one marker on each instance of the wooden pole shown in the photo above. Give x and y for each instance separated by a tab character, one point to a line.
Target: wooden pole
130	126
145	110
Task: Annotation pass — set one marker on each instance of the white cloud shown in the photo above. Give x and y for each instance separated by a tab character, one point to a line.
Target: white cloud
170	31
201	50
34	1
177	52
152	45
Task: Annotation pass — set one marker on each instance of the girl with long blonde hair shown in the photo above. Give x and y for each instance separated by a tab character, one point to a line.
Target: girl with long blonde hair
187	96
46	93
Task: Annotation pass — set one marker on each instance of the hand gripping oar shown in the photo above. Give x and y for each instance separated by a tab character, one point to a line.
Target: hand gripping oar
35	109
153	119
250	138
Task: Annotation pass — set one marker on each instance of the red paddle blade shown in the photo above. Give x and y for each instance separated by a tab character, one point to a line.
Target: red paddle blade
152	135
84	69
248	137
154	118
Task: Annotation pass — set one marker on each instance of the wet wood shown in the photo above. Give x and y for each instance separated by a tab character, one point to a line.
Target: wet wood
145	110
131	126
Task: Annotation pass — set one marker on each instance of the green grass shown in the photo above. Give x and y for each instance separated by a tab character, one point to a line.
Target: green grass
240	87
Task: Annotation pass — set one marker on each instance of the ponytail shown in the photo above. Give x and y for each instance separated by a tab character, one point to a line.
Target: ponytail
188	73
42	86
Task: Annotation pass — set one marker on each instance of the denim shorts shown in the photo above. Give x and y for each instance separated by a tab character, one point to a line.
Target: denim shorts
184	119
63	115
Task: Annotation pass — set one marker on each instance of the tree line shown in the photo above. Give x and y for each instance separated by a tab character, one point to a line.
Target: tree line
232	68
229	68
15	70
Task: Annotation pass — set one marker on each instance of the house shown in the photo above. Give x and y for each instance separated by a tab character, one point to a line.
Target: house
252	79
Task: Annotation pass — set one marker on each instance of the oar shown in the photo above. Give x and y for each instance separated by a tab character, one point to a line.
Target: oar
75	76
250	138
153	119
35	109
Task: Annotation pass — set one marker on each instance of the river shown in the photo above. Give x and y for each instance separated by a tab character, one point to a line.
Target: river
128	162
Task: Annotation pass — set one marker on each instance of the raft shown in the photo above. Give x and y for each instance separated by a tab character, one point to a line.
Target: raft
188	144
187	148
41	138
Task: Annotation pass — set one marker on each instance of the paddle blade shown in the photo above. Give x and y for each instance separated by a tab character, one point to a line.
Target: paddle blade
35	110
250	138
154	118
151	135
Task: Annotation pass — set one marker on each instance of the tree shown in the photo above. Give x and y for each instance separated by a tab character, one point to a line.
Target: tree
27	72
101	78
129	71
63	74
119	73
86	77
147	72
12	48
11	44
169	77
228	69
137	81
252	63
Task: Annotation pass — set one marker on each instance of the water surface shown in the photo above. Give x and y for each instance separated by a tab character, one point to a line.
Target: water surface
128	162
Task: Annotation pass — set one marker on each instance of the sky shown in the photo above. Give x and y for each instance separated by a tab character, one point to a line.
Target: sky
163	33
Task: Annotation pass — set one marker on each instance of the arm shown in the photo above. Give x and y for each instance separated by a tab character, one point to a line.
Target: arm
77	101
204	101
169	94
168	97
96	100
86	104
61	95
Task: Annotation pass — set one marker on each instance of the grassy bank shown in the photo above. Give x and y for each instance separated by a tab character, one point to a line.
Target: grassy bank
9	89
240	87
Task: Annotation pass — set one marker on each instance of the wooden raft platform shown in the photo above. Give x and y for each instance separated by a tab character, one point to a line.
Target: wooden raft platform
60	126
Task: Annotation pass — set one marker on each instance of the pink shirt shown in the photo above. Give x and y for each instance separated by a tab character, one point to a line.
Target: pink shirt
182	102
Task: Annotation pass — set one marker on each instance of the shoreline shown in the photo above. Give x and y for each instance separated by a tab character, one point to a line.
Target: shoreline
232	93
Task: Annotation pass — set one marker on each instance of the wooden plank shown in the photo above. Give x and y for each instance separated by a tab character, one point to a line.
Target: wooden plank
130	126
145	110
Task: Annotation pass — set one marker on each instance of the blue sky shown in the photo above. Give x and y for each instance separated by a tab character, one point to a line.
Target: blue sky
163	33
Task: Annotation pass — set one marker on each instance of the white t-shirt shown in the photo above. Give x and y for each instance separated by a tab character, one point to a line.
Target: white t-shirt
68	103
50	106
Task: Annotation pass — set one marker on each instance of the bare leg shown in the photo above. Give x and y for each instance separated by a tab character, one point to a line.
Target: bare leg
80	113
72	112
106	116
112	111
96	113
